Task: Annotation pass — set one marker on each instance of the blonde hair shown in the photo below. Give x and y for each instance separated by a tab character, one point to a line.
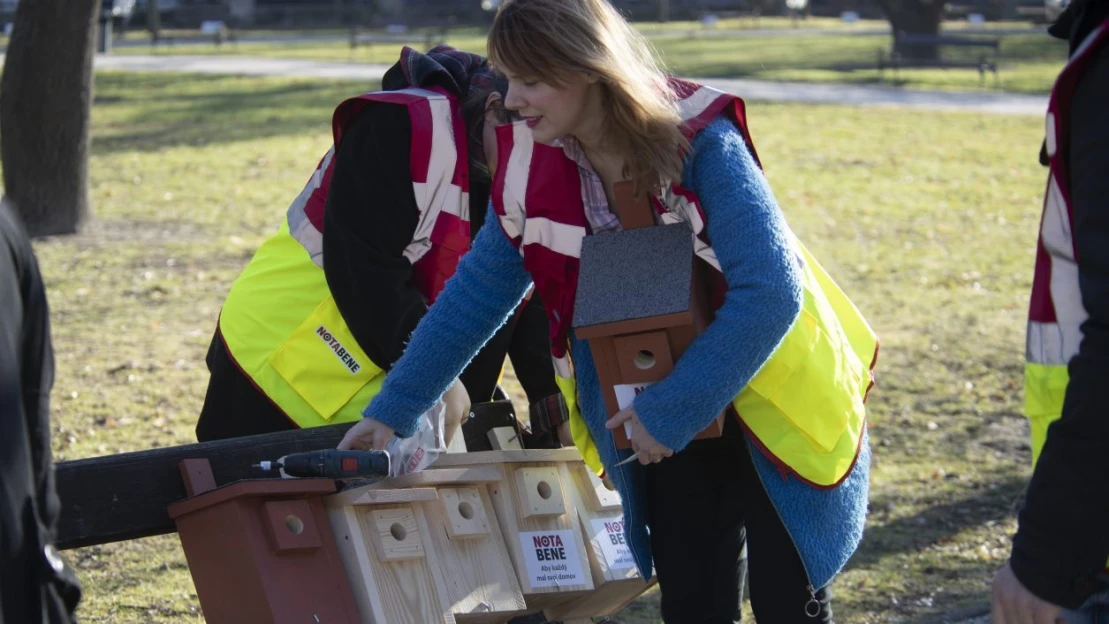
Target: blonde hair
553	40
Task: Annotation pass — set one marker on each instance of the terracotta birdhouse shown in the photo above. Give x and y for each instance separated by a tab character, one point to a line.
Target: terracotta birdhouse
641	300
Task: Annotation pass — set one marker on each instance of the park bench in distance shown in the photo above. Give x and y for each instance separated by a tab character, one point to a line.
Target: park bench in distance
986	60
430	35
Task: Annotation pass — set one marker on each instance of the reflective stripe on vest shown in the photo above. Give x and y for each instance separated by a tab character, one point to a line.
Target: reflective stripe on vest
440	183
1056	313
804	408
279	321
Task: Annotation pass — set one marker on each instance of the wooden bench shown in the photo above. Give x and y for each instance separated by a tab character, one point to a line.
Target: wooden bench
894	59
396	34
709	19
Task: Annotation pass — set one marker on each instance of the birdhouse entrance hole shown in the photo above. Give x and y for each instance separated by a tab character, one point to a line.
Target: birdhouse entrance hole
544	490
294	524
398	532
466	510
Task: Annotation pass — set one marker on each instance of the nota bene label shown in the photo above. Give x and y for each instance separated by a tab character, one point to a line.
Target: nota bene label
339	350
552	558
609	534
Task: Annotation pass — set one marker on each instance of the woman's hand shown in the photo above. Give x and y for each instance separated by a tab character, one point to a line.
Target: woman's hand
649	449
457	402
367	434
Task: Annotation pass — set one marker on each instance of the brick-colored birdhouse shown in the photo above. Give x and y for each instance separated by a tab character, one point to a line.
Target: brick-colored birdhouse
642	298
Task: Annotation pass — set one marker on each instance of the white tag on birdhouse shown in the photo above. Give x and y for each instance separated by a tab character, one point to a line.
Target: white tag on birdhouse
610	535
552	558
625	394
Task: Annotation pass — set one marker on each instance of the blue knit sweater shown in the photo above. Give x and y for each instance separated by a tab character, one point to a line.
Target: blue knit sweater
764	296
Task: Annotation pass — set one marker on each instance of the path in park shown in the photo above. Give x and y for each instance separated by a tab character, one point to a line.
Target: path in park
824	93
697	31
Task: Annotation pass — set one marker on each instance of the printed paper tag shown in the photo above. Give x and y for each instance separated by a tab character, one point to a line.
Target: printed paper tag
552	558
610	535
625	394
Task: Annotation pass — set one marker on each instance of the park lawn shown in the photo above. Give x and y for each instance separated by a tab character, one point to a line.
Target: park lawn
1029	61
927	220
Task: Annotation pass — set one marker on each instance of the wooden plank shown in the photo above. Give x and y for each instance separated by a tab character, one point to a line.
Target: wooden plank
504	439
408	590
445	476
364	496
354	550
476	568
121	497
539	491
633	326
394	534
609	599
197	476
508	457
259	487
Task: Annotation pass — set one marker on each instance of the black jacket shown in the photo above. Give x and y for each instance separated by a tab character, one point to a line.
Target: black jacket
1063	540
35	585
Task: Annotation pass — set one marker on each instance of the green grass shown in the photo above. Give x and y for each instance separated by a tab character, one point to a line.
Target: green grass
1029	61
928	220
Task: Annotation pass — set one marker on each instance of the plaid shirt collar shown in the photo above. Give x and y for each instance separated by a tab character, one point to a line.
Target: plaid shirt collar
597	212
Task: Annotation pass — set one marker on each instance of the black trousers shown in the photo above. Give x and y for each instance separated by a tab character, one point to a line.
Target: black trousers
703	503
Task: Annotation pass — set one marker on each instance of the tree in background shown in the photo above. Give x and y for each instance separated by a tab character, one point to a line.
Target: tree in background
45	99
916	17
153	20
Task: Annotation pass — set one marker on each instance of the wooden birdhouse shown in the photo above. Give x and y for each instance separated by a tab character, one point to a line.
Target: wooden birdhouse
426	548
615	576
262	551
538	519
642	298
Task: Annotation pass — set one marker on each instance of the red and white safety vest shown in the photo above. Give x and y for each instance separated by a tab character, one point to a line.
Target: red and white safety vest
1056	312
280	322
804	408
440	181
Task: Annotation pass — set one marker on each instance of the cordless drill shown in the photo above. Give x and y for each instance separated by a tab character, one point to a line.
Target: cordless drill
331	464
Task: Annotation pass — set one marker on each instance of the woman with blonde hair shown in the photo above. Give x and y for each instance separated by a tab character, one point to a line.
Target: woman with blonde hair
787	354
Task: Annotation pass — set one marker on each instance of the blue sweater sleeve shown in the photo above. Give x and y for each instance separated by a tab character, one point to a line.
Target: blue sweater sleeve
764	297
488	284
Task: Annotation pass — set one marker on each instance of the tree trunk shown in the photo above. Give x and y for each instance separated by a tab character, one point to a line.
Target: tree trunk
45	97
154	21
915	17
664	10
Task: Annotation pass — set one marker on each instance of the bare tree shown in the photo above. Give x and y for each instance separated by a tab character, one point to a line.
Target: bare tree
45	97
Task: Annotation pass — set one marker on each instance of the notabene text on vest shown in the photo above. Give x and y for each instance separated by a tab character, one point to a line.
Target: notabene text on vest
344	356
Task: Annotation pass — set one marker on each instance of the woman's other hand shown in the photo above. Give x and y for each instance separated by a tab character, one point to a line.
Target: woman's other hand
650	450
457	401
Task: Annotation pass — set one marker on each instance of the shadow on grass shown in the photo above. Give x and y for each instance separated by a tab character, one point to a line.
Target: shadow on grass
938	520
150	112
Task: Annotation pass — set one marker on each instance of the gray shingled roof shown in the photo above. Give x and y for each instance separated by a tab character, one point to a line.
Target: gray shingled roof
634	274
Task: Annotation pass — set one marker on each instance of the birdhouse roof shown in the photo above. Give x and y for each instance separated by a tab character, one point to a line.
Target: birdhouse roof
634	274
